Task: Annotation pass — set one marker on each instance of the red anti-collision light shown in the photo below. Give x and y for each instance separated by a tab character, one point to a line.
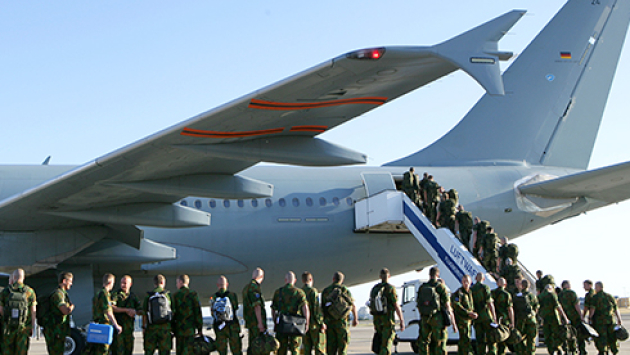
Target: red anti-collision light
367	54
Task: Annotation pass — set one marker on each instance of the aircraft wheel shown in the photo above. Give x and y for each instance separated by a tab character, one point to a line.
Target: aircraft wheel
75	343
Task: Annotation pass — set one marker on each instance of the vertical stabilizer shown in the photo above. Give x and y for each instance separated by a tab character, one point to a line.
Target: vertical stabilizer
555	95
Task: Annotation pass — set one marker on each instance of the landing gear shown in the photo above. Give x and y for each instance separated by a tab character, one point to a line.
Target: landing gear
75	343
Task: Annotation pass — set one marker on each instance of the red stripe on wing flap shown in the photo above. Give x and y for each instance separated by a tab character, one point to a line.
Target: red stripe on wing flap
288	106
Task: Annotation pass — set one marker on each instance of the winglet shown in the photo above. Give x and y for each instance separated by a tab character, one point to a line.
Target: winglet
476	51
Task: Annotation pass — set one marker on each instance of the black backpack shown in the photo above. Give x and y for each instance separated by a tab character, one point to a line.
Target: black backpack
16	307
428	300
378	301
522	306
159	311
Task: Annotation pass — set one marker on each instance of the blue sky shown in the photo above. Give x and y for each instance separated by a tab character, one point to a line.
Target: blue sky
86	78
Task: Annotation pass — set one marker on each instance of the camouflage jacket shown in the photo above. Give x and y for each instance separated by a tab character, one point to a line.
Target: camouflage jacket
145	309
502	302
510	273
490	242
464	218
344	292
432	189
314	308
447	207
462	303
186	312
288	299
568	299
605	307
532	300
508	251
30	296
233	297
124	300
482	296
58	298
548	306
101	305
252	297
389	293
588	298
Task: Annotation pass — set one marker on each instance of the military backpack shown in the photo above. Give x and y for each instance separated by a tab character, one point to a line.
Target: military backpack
159	311
16	309
428	300
337	305
222	309
203	345
522	306
378	301
43	310
265	344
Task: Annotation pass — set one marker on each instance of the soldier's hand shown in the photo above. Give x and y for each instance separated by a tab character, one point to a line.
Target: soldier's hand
323	328
402	326
118	328
355	322
131	312
455	330
261	328
472	315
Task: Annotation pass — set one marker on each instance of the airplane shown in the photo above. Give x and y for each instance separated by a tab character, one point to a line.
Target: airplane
192	199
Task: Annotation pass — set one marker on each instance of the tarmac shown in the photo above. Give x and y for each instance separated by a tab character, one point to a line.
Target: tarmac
360	342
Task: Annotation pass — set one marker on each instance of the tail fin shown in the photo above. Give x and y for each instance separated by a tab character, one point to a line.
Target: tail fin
556	92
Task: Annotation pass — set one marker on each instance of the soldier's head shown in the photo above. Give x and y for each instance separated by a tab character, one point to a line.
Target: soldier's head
508	261
182	281
480	277
501	282
290	278
159	280
476	220
338	277
549	288
425	175
566	285
524	285
411	170
258	275
65	280
307	278
430	177
466	281
18	276
489	230
588	285
504	240
434	273
599	286
222	283
125	283
460	208
539	274
108	281
384	274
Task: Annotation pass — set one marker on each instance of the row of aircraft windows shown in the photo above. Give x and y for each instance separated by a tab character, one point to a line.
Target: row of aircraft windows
268	202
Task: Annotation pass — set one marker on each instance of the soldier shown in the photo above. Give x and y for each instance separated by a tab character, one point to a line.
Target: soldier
224	305
603	307
434	305
102	312
588	297
289	300
478	236
337	333
489	251
571	305
57	321
539	281
156	318
503	308
421	184
431	198
254	308
484	307
525	309
410	185
314	339
126	306
17	307
463	225
446	213
187	318
384	318
464	313
550	308
511	273
507	251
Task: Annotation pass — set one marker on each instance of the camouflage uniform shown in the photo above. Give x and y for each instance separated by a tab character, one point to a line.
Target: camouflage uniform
157	336
490	253
465	222
123	342
551	321
480	228
568	299
431	189
508	251
510	273
526	324
603	321
447	214
56	324
433	335
385	324
186	319
462	303
502	303
315	339
411	187
288	300
482	296
337	333
252	297
229	332
16	340
101	304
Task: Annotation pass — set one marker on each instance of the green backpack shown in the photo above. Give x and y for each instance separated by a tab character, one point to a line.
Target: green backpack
378	301
16	310
428	300
337	305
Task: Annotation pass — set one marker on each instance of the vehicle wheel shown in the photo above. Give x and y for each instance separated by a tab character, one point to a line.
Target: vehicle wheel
75	343
414	347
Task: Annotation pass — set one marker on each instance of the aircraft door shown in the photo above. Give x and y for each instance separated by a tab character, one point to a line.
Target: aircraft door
377	182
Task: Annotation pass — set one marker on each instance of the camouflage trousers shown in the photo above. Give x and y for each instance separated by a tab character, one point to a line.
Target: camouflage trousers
55	340
432	338
98	349
464	347
528	329
123	343
490	262
551	330
607	340
337	338
16	341
388	333
483	347
229	335
184	345
288	344
464	236
252	333
157	338
314	340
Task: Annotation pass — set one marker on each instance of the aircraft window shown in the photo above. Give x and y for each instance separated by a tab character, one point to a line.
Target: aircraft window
226	203
322	201
336	201
295	202
254	203
212	203
240	203
282	202
309	201
198	204
268	202
184	203
349	201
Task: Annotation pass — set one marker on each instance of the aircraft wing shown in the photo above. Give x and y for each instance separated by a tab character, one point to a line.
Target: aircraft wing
138	184
610	184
